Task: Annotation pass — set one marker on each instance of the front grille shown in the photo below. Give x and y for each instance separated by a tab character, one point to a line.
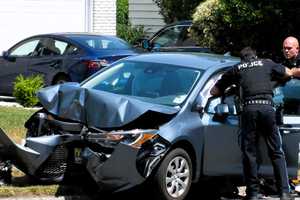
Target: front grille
55	166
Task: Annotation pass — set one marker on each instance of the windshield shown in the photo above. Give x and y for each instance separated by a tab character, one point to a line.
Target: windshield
151	82
101	42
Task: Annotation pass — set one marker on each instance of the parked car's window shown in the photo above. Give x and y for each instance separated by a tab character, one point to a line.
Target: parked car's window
174	36
49	47
25	49
71	50
101	43
289	97
61	46
162	84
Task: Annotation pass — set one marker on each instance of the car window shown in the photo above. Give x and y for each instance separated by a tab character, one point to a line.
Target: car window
50	47
185	39
101	42
60	45
71	50
25	49
230	101
166	84
288	96
169	37
210	103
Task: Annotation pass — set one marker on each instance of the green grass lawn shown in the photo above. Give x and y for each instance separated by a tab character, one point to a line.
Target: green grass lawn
12	121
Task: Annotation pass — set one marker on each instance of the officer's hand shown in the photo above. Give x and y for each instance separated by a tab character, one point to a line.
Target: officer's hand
295	72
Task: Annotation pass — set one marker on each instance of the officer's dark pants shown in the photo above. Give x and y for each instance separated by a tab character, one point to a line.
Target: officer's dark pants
261	119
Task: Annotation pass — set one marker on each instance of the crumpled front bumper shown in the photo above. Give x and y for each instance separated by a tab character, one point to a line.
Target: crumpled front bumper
123	168
118	172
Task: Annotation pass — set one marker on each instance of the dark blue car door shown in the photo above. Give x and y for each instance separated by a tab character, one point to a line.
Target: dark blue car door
50	59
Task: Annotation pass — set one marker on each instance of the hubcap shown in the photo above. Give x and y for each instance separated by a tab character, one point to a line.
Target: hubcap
177	177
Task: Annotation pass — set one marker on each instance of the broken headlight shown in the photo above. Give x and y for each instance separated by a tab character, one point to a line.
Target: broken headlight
134	138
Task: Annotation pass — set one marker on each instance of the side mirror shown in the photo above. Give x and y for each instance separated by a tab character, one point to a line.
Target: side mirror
197	106
222	109
145	44
5	55
221	112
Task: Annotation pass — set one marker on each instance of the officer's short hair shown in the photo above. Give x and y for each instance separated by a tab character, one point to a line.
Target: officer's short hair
248	54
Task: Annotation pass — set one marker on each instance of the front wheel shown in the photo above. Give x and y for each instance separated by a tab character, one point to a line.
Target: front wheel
174	176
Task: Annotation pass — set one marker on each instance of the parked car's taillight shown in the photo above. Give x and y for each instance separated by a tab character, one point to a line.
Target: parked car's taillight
95	64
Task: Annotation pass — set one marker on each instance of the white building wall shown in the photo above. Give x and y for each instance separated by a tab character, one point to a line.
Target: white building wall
103	17
145	13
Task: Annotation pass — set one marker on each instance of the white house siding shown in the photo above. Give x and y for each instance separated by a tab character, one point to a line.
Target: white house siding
22	18
145	13
104	17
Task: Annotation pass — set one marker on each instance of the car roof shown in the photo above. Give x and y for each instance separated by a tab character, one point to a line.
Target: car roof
70	34
183	22
193	60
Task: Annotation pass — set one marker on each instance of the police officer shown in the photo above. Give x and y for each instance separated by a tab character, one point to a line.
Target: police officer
290	48
254	77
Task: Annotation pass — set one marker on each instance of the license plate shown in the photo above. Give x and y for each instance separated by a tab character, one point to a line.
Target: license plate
77	155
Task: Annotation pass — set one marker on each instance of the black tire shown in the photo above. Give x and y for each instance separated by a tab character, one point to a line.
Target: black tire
60	79
179	182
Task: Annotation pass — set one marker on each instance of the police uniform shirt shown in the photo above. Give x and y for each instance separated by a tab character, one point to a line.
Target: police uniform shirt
292	63
254	77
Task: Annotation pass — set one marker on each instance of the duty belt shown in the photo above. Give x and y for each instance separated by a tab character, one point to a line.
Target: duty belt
258	102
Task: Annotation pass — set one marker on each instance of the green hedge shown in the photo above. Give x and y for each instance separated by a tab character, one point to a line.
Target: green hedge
124	28
25	89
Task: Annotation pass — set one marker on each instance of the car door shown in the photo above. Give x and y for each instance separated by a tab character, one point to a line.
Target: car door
49	60
16	62
287	98
221	153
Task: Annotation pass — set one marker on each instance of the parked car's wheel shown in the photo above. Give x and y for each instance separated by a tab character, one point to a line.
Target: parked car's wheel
60	79
174	176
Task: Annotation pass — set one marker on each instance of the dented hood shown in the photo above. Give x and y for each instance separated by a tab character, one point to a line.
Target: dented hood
96	108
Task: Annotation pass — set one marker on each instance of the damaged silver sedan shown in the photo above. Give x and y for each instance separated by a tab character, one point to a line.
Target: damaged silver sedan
147	117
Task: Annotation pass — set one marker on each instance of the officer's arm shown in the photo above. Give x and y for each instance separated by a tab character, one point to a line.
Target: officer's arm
289	72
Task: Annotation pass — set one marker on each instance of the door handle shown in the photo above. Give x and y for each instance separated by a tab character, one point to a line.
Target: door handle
55	64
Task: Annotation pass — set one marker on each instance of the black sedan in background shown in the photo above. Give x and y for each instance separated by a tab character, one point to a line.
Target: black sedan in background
173	37
60	57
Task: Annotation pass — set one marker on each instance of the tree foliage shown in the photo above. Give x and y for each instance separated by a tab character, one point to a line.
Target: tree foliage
174	10
124	28
229	25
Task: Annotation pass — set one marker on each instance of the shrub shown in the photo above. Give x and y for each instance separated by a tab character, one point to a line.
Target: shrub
25	89
230	25
129	33
124	29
